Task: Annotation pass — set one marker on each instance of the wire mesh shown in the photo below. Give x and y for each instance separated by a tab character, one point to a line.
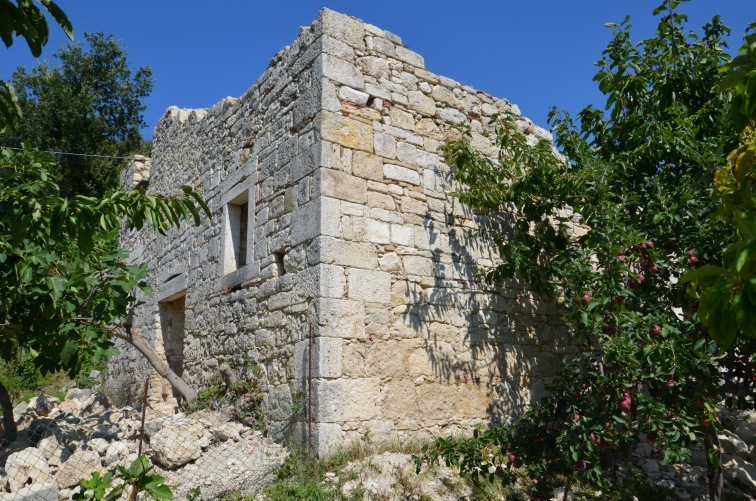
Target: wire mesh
206	454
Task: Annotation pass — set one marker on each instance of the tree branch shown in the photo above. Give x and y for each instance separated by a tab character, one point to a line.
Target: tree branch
131	336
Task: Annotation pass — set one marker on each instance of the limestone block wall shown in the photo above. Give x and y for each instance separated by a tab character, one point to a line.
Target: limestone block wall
355	253
253	159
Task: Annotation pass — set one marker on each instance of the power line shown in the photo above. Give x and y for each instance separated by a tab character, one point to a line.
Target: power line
71	154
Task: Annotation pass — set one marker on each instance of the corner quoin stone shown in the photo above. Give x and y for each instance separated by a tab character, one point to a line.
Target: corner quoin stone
355	249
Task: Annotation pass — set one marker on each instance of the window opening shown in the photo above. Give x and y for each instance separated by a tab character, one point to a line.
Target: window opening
278	256
172	321
237	233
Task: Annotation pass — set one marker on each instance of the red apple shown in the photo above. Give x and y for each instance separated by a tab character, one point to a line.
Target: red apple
693	259
656	331
512	458
621	258
586	298
580	465
632	283
650	244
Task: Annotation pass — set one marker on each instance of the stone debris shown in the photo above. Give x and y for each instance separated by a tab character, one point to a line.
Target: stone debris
392	476
75	438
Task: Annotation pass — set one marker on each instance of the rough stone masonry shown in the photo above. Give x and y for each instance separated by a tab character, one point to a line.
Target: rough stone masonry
335	238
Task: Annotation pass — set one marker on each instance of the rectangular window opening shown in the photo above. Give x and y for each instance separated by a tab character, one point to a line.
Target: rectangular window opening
278	256
237	233
172	320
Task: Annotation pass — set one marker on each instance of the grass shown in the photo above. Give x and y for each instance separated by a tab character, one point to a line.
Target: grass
24	381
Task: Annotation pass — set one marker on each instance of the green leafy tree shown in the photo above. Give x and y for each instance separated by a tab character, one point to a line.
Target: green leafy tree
90	103
64	289
727	292
636	178
25	19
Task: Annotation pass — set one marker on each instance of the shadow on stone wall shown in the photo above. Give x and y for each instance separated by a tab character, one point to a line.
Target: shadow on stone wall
504	340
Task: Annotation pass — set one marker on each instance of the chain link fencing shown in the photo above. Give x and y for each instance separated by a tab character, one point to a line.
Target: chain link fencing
214	450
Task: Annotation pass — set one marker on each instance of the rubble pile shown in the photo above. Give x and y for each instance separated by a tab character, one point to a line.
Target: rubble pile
61	443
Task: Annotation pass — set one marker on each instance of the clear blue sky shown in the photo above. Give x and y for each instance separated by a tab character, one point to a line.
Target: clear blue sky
536	54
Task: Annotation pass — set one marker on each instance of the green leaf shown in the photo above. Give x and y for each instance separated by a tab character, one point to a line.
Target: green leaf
704	273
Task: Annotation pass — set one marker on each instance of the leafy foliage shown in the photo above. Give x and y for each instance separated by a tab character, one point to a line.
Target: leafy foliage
137	476
61	281
727	295
24	18
89	103
606	229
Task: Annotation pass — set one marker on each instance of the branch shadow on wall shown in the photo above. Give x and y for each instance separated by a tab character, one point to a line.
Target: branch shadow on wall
502	341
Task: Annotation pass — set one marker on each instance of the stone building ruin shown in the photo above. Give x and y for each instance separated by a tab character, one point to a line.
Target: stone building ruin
334	238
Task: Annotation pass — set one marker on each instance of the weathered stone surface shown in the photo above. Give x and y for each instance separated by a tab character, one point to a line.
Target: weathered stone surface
353	96
351	234
343	186
745	433
27	466
35	492
399	173
741	472
422	103
732	444
178	443
370	285
347	132
343	72
115	452
78	466
335	400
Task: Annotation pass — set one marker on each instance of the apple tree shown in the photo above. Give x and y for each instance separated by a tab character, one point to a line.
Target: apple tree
637	177
65	288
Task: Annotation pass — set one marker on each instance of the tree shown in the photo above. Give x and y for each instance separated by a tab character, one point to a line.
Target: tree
25	19
727	298
64	289
637	177
91	103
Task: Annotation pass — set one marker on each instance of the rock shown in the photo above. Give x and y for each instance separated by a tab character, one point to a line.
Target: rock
152	426
35	492
741	472
78	394
651	468
99	445
20	409
42	404
745	433
72	407
752	455
65	432
27	466
95	404
382	474
179	442
732	444
229	431
79	466
115	452
48	446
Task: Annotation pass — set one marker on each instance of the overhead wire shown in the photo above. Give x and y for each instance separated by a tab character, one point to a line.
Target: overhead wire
73	154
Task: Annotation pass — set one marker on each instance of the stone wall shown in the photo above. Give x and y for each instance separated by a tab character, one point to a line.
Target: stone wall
353	237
